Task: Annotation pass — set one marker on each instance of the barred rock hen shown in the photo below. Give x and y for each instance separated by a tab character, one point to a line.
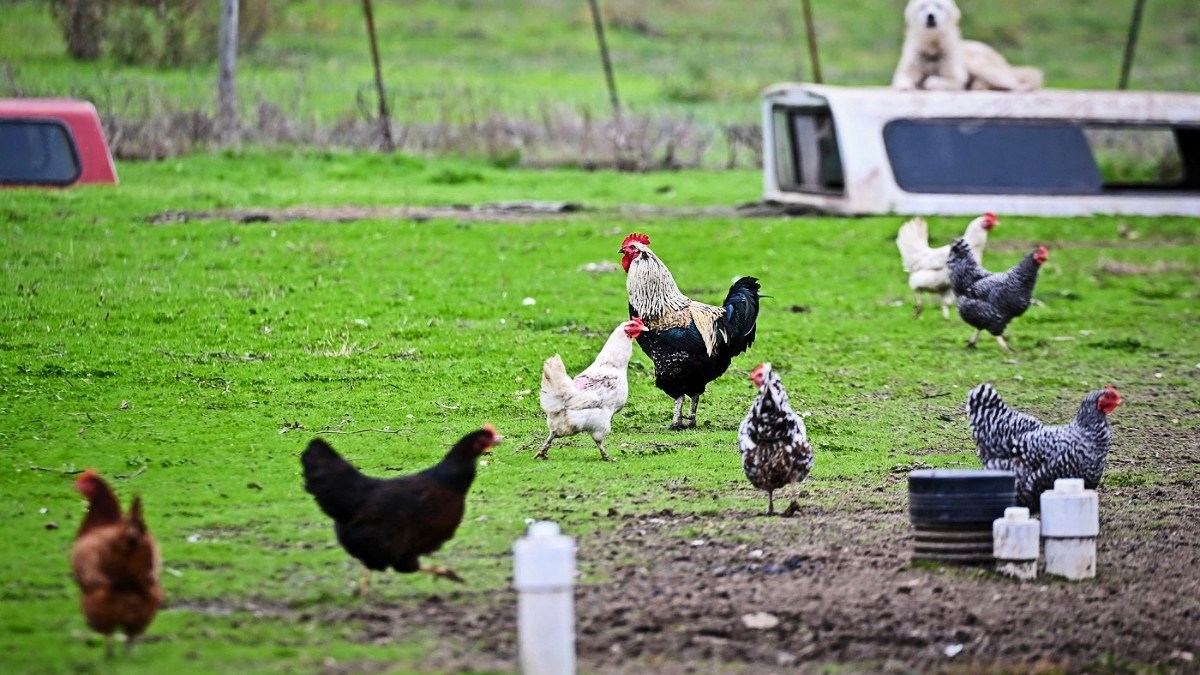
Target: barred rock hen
1037	453
773	441
116	564
690	343
391	522
588	402
989	301
927	267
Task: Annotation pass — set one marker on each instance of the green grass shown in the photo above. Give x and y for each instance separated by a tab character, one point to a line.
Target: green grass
192	362
707	59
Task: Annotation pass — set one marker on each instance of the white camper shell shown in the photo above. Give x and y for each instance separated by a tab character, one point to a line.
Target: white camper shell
852	150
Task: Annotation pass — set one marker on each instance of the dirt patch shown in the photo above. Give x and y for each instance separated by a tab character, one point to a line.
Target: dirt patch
668	593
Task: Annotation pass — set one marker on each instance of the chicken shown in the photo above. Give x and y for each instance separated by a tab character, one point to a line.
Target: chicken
116	564
391	522
691	344
926	266
588	402
989	301
1039	454
773	441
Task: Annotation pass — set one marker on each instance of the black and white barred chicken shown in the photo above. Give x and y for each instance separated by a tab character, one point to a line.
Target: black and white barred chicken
1040	454
690	343
987	300
774	441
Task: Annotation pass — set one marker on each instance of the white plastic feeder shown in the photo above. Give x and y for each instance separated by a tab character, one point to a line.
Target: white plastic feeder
1015	543
1070	523
544	576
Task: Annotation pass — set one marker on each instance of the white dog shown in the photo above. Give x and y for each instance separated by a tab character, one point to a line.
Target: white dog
935	56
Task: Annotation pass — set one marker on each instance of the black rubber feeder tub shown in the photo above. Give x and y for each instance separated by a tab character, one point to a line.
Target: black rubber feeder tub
952	512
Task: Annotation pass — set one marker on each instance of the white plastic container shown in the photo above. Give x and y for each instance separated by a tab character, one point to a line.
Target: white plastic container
544	576
1070	524
1015	543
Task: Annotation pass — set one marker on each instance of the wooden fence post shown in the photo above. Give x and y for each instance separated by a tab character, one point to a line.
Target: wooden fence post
385	121
227	43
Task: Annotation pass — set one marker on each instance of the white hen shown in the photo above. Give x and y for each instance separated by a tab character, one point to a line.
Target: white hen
588	402
928	272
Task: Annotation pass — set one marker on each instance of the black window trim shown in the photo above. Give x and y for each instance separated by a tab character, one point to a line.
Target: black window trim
74	147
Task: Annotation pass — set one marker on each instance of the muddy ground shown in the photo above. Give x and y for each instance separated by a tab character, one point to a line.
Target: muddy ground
668	592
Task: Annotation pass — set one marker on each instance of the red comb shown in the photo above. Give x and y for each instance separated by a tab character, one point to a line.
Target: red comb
638	237
990	216
490	429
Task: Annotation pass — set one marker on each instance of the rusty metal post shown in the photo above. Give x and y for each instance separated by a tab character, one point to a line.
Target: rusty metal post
1135	25
385	122
811	30
608	71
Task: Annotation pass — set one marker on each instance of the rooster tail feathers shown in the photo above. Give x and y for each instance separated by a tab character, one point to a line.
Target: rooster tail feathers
740	320
913	242
338	487
556	384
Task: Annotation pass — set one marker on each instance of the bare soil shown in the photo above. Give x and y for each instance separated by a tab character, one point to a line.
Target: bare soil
669	592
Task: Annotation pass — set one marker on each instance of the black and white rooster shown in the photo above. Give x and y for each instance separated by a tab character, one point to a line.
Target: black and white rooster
1037	453
986	300
773	441
690	343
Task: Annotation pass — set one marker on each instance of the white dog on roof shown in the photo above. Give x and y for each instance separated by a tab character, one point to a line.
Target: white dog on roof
935	56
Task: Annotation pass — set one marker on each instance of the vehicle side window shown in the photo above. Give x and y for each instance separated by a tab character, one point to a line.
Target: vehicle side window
37	152
991	157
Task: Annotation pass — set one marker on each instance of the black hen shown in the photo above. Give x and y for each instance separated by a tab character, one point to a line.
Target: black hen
986	300
1039	454
391	522
690	343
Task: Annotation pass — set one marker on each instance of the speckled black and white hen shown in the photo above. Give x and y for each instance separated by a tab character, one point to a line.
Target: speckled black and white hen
773	441
1037	453
989	301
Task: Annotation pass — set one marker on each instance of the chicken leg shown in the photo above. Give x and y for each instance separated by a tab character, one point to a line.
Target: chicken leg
364	583
677	422
603	454
971	342
794	507
443	572
108	646
947	300
691	419
770	502
1003	344
918	305
546	446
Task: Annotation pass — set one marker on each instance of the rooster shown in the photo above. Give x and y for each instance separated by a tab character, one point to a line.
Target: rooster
391	522
989	301
927	267
773	441
690	343
1040	454
116	564
588	402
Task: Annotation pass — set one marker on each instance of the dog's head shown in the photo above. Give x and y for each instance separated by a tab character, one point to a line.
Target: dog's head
931	14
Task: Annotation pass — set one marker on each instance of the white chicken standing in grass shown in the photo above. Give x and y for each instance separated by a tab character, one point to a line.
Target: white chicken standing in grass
588	402
927	268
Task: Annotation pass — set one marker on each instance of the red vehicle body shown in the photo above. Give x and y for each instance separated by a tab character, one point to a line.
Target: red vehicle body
52	142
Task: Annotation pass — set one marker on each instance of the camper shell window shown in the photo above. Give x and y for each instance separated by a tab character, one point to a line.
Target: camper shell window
37	152
807	157
990	156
